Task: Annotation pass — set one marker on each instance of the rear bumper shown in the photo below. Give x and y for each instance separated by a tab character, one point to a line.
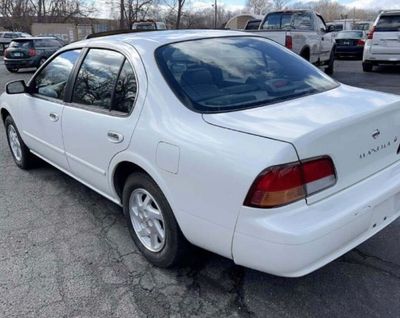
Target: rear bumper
296	240
20	63
349	50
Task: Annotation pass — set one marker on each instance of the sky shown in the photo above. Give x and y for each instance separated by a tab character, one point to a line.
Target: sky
362	4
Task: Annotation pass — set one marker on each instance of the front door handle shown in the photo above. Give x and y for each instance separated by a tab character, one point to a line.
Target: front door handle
53	117
115	137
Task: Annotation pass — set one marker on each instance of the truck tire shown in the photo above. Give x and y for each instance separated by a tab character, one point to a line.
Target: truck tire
329	70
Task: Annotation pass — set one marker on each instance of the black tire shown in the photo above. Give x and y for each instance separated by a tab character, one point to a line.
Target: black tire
27	159
12	70
329	70
367	67
176	246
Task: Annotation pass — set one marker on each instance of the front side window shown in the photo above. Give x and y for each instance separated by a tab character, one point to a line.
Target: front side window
232	73
97	78
51	81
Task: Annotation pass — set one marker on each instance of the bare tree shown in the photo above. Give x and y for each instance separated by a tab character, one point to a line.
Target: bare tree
259	6
280	4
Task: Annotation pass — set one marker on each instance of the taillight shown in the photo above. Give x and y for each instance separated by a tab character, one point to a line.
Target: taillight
287	183
32	52
371	33
360	43
289	42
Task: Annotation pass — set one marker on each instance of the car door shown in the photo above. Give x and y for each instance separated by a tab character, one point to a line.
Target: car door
326	42
43	108
99	121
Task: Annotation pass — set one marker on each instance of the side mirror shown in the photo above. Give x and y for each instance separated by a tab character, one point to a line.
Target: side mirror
16	87
330	28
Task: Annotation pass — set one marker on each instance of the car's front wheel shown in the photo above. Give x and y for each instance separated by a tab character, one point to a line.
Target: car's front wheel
330	68
151	222
20	152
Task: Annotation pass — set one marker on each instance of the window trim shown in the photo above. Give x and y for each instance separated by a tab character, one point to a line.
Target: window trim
48	61
72	83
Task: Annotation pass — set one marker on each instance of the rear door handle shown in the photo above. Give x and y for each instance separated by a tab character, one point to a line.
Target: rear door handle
53	117
115	137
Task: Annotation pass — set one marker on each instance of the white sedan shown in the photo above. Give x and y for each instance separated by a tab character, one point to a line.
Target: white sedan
221	139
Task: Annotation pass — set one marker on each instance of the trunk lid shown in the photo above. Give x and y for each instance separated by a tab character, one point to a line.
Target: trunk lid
386	38
19	49
359	129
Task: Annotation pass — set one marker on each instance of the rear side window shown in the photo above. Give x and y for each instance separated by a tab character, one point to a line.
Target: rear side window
253	25
390	23
21	44
51	81
288	21
106	81
125	90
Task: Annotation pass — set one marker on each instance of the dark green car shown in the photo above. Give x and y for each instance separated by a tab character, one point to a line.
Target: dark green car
29	52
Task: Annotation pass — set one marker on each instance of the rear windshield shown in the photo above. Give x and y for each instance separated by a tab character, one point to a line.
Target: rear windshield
288	21
388	23
22	44
232	73
350	35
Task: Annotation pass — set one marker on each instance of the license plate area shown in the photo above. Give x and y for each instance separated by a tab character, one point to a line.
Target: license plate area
17	54
385	210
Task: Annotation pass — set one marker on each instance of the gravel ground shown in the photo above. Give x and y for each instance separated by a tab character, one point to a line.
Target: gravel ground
66	252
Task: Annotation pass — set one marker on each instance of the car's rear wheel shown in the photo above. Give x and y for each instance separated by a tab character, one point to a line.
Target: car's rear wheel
151	222
367	66
20	152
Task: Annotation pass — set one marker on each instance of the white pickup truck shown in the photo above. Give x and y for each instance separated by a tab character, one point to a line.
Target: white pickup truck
302	31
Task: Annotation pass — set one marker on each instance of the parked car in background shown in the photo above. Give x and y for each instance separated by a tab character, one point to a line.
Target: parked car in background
222	139
29	52
363	25
383	43
350	43
253	24
148	25
6	38
302	31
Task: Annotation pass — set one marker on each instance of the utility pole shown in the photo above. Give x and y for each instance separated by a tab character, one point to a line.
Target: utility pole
122	9
215	14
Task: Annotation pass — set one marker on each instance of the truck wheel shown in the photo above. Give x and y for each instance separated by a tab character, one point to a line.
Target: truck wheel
152	223
329	69
367	66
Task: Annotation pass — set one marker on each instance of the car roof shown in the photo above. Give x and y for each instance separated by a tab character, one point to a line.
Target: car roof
151	40
35	38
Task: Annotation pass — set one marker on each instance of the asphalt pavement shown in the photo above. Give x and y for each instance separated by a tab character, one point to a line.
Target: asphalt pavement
65	251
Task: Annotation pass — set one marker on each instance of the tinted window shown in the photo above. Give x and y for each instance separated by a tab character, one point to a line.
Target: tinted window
388	23
21	44
230	73
52	80
97	78
125	90
288	21
350	35
9	35
253	25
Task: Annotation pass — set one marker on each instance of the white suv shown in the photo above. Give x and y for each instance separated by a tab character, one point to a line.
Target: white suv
383	44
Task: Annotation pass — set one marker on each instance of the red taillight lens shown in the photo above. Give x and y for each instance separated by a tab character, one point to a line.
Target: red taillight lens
284	184
371	34
360	43
32	52
289	42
